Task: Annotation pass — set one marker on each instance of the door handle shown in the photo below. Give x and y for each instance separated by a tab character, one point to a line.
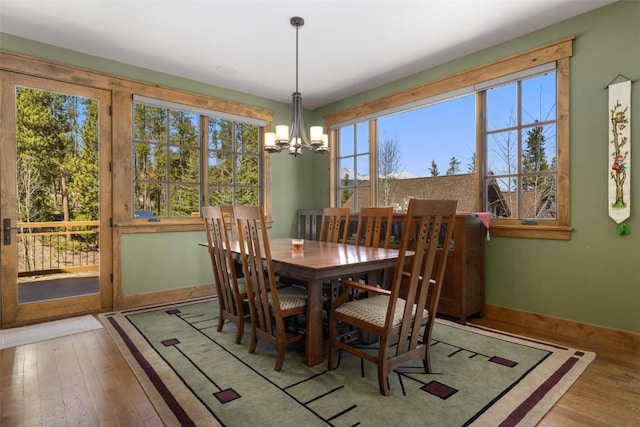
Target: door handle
6	228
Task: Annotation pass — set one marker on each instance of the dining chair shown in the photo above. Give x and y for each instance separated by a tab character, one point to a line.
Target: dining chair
334	227
270	307
402	317
231	289
232	226
374	230
374	227
309	221
227	211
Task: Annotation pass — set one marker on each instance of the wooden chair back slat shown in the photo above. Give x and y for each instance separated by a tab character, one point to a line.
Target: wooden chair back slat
229	218
374	227
335	225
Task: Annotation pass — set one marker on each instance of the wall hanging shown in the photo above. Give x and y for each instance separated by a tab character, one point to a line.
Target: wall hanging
620	153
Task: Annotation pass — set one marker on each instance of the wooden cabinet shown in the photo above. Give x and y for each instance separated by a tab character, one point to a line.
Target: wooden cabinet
462	293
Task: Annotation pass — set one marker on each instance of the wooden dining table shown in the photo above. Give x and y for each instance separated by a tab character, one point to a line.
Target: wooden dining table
316	263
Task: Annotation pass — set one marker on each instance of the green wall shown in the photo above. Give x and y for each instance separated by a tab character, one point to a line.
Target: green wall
161	261
594	277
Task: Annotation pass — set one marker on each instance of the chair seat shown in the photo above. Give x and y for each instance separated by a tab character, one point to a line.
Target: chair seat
373	310
290	297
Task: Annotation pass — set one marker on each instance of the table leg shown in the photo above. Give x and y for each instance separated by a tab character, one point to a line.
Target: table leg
314	345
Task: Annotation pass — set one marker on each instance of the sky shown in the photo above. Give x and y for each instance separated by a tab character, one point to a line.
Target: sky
440	131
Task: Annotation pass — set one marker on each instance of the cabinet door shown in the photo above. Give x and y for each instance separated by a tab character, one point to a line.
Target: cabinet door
462	293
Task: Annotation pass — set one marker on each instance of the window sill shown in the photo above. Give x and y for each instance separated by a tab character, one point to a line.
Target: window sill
551	232
154	225
164	225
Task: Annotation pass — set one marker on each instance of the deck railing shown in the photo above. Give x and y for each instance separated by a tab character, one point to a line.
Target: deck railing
57	247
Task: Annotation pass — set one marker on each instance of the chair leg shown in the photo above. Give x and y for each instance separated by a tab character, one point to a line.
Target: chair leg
382	378
280	349
240	327
254	341
280	344
427	360
333	324
220	320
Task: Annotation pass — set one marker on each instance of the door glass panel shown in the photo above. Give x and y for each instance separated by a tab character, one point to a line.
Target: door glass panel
57	195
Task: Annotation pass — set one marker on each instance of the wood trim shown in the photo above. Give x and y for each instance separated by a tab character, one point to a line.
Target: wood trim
563	140
8	199
505	66
164	297
530	231
55	71
597	335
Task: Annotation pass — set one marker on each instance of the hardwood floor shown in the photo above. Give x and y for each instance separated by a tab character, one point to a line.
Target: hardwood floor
606	394
76	380
83	380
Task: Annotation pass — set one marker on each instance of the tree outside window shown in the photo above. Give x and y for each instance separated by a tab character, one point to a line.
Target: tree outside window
520	173
169	165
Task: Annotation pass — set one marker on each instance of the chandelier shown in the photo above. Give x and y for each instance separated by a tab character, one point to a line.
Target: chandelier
294	138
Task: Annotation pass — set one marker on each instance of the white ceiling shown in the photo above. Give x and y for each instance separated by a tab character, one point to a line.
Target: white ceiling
346	46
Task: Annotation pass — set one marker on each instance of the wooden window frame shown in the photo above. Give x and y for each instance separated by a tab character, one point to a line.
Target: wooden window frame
122	91
560	52
203	150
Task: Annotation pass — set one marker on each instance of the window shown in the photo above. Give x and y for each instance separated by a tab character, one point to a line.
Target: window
444	134
496	138
234	163
353	154
170	176
520	176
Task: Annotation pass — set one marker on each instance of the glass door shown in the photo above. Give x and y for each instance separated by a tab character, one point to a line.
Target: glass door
55	200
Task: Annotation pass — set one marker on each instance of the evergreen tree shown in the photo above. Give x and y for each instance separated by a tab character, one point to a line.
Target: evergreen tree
149	128
184	163
45	140
433	169
454	166
534	159
84	183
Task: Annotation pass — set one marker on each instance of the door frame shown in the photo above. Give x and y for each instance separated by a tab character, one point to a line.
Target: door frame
13	313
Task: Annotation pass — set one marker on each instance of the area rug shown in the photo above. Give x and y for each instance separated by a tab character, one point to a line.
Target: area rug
24	335
197	376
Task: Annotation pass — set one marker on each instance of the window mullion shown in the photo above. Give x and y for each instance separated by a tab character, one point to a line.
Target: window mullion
204	160
519	176
373	162
167	164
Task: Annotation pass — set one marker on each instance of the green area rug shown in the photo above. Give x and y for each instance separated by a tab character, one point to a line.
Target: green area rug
197	376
